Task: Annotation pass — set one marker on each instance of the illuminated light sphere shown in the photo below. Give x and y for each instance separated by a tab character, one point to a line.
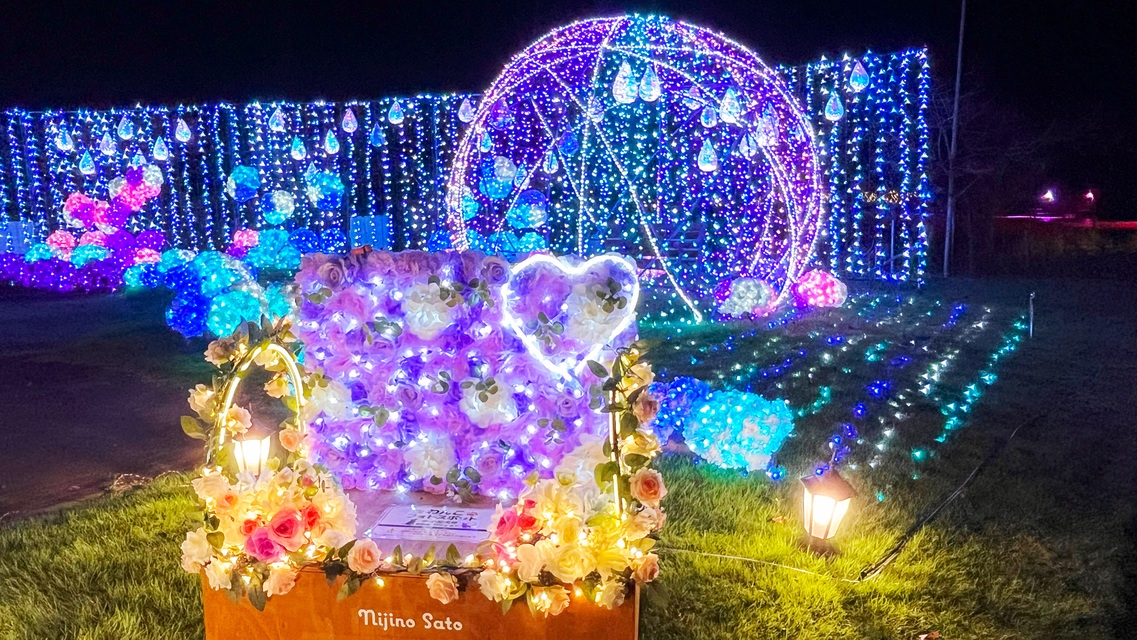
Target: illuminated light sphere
40	251
245	238
83	254
305	240
61	242
737	430
820	289
243	183
325	190
146	256
97	238
748	296
630	127
277	206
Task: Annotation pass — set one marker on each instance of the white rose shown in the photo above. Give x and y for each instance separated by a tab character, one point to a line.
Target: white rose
196	550
532	558
217	573
495	586
431	456
211	487
202	401
611	594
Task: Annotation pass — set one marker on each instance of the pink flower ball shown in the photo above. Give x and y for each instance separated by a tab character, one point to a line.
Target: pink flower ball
146	256
820	289
245	238
97	238
62	241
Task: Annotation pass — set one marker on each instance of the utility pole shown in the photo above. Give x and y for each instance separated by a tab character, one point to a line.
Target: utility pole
949	226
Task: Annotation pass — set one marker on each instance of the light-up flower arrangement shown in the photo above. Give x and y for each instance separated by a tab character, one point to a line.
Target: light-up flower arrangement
458	352
820	289
587	512
592	527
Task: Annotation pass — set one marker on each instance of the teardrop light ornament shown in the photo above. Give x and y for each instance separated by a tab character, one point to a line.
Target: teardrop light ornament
64	141
107	145
730	109
624	88
858	78
834	110
748	145
709	118
549	164
395	114
331	143
348	123
276	121
485	144
159	151
691	99
182	131
125	128
87	164
376	137
298	151
466	111
708	159
650	86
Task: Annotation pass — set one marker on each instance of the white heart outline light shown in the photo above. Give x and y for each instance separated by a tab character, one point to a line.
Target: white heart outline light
530	342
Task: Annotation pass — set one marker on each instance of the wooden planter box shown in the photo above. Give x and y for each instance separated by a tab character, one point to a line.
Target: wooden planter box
311	611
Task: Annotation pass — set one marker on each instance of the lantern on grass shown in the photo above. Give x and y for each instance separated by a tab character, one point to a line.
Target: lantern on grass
826	501
251	453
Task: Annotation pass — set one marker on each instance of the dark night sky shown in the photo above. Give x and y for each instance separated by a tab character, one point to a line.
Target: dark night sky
1064	63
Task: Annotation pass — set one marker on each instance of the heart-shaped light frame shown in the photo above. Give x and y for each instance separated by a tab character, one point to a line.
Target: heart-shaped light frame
514	323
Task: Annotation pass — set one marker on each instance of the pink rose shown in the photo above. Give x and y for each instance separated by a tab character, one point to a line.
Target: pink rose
646	407
443	587
311	516
647	569
290	439
262	547
380	263
647	487
495	271
249	526
364	556
287	529
332	273
489	464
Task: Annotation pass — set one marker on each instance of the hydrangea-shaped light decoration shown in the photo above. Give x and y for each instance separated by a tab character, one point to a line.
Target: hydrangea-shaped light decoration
636	129
277	206
738	430
325	190
61	242
243	183
820	289
748	296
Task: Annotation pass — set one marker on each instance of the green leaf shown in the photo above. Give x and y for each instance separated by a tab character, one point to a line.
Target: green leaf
453	558
257	597
397	554
349	587
635	460
473	474
451	475
344	550
604	472
216	539
505	606
628	425
333	570
192	427
598	369
428	557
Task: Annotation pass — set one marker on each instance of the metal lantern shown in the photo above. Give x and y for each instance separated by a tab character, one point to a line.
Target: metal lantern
252	454
826	501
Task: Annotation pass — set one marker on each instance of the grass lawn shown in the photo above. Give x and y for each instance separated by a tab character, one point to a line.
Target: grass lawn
1034	548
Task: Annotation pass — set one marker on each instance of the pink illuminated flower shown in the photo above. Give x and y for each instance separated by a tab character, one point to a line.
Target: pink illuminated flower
261	546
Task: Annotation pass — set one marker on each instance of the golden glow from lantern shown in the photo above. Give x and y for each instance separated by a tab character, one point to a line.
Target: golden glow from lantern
252	454
823	514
